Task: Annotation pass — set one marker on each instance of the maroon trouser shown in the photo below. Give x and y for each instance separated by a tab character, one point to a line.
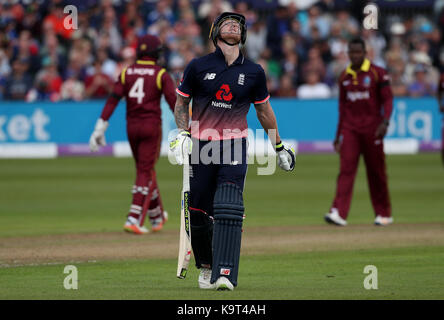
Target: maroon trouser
353	145
145	139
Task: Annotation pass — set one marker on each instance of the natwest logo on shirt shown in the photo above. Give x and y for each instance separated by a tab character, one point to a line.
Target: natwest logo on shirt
224	93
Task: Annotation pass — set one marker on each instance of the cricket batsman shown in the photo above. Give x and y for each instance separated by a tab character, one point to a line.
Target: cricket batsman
365	107
222	85
441	108
142	84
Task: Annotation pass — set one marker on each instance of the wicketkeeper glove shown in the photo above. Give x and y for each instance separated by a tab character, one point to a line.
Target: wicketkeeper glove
181	146
98	136
286	157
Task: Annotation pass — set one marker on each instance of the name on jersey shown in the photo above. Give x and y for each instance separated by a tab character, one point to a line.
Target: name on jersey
140	71
221	105
358	95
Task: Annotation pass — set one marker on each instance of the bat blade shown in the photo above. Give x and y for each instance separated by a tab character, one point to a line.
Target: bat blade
184	255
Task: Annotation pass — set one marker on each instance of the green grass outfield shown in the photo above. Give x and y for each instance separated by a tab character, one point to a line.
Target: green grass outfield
71	211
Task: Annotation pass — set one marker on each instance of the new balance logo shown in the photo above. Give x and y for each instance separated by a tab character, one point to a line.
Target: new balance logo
225	272
210	76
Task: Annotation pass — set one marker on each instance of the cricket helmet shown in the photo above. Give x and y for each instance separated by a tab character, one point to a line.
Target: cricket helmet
215	27
149	45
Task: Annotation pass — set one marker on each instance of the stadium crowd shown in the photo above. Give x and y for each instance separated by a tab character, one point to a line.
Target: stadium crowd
302	49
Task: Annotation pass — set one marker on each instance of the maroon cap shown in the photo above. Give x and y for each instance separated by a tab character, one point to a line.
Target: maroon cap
148	45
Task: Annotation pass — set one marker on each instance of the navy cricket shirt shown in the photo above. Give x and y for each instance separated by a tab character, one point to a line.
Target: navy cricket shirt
222	95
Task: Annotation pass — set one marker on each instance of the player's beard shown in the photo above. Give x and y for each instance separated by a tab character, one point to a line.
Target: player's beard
232	38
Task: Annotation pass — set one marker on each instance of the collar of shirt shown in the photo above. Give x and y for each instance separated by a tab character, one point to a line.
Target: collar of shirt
220	54
146	61
365	67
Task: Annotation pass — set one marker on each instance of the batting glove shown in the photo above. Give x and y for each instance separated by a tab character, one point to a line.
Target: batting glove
181	146
98	136
286	157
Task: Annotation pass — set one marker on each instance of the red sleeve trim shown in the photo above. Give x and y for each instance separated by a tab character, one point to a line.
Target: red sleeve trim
183	94
262	101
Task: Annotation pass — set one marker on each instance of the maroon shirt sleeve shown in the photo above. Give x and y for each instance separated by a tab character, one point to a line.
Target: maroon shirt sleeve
113	100
341	105
385	91
169	90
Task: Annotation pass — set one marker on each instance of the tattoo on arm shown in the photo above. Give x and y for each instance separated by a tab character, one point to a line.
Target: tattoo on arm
181	113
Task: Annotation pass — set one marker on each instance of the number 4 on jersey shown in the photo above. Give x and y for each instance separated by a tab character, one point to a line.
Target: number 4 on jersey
137	90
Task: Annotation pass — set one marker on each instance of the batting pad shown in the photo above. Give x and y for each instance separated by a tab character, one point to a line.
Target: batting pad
228	217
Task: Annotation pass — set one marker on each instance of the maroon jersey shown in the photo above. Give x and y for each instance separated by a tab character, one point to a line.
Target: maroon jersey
142	84
365	98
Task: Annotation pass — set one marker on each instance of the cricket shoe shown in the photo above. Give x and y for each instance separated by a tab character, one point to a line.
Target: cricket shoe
157	224
132	226
224	284
383	221
333	217
204	279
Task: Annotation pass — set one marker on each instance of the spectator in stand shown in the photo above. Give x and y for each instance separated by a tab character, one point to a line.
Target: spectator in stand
335	67
85	29
256	40
434	39
314	63
376	42
111	31
398	83
72	88
336	41
162	12
98	85
349	25
301	43
290	66
76	65
186	26
109	66
286	87
243	8
27	48
421	85
53	50
278	24
128	19
19	82
313	88
55	21
396	51
316	20
207	11
48	81
128	58
5	68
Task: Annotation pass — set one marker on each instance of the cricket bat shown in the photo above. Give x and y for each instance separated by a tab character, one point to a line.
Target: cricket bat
185	227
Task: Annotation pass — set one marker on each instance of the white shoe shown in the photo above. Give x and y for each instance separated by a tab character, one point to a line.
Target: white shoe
224	284
157	224
383	221
204	279
132	226
333	217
